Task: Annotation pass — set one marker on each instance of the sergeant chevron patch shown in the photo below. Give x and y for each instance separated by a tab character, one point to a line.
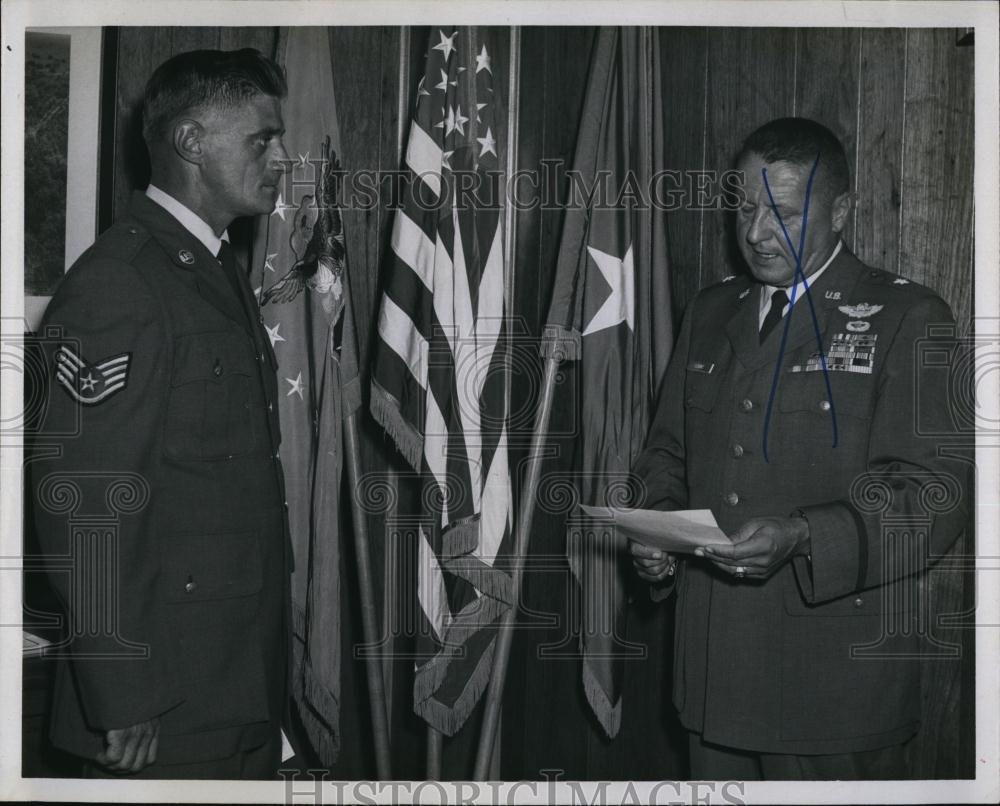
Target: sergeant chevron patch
91	383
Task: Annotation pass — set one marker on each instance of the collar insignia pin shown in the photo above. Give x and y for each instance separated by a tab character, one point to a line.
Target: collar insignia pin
729	278
832	295
185	257
746	291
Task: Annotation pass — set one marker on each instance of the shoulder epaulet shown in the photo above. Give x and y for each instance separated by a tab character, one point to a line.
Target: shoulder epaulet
121	241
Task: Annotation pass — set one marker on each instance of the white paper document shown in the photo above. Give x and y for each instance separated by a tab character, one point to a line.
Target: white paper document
679	532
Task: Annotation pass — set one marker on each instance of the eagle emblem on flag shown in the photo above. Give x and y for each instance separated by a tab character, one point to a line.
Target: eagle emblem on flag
860	311
89	383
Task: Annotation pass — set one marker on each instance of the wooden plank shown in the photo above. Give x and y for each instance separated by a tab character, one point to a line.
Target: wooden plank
140	51
936	245
878	176
826	87
684	56
261	38
937	231
750	81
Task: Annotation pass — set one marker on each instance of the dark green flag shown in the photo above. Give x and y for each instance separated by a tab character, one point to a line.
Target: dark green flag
611	312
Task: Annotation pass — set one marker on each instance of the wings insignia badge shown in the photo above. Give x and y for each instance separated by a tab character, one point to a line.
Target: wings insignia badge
860	311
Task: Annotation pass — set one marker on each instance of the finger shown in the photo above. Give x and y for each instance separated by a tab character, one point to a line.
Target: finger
154	746
142	751
742	571
644	551
755	548
642	561
655	577
113	752
129	750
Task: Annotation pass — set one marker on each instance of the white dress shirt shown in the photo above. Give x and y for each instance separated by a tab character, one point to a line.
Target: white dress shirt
800	288
191	221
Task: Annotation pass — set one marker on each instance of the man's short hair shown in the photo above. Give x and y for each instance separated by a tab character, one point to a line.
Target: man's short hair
206	78
799	141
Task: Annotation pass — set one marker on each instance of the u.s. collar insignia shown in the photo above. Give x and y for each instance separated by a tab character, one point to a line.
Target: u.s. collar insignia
832	295
900	281
185	257
858	325
860	311
91	383
744	293
729	278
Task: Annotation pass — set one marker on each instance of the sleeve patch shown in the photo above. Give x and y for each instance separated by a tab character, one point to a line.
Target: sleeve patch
89	383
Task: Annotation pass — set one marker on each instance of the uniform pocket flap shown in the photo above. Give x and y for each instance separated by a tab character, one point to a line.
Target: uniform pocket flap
211	357
199	567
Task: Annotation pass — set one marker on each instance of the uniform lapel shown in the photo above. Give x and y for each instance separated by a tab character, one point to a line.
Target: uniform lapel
826	294
189	255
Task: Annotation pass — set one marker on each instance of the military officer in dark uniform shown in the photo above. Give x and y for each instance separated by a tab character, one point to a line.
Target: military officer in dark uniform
160	488
790	410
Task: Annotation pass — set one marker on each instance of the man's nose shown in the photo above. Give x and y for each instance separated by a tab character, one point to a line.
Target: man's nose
280	159
758	230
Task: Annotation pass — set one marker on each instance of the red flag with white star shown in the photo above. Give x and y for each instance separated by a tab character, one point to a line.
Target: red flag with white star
610	311
440	378
299	274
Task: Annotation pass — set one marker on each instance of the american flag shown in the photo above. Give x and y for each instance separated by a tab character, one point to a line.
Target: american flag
440	378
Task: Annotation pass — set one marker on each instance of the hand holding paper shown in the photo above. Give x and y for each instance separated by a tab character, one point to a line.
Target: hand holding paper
676	532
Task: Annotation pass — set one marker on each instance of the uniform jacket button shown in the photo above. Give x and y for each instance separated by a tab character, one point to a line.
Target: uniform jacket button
270	407
746	404
732	499
190	586
217	369
824	405
858	602
737	450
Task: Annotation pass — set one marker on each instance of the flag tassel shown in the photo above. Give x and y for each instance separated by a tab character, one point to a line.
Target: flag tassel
526	514
373	667
386	411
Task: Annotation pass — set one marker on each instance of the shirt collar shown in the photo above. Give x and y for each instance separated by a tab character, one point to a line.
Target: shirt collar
191	221
800	287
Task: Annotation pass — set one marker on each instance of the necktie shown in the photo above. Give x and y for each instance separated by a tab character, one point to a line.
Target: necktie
779	299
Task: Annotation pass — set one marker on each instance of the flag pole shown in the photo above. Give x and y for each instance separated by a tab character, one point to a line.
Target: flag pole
526	513
435	743
376	688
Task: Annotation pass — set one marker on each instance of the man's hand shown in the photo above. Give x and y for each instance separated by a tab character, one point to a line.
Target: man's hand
652	564
130	749
760	546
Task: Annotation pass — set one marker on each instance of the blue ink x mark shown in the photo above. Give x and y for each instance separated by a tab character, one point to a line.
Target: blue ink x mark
799	277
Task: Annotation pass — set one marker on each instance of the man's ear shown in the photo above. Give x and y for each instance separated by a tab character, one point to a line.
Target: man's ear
188	135
839	210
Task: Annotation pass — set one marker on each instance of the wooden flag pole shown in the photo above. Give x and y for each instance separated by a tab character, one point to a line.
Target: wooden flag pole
526	513
376	688
435	748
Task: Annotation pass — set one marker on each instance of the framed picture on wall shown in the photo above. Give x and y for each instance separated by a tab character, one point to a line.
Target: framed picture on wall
62	78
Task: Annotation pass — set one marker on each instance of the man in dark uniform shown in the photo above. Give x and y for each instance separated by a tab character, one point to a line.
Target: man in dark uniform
790	410
159	496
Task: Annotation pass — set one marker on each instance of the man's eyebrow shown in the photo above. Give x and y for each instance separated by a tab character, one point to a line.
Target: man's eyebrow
269	131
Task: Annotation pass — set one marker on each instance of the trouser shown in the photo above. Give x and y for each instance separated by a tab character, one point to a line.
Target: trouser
711	762
256	764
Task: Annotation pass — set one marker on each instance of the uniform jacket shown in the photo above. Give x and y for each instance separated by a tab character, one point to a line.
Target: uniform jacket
159	496
814	660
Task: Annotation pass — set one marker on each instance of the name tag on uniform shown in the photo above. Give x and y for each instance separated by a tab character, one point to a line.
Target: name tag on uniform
701	366
849	352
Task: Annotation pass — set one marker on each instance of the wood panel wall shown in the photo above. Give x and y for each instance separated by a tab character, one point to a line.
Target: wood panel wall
902	103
